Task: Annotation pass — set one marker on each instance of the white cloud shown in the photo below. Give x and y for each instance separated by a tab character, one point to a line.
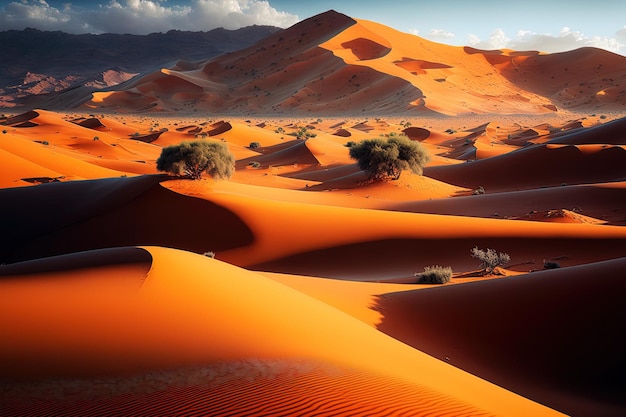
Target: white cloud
566	40
435	34
143	16
497	40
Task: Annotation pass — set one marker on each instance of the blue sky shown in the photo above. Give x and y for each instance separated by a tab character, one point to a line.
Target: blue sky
546	25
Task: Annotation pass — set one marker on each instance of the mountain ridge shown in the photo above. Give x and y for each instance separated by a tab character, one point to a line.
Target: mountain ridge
36	62
333	64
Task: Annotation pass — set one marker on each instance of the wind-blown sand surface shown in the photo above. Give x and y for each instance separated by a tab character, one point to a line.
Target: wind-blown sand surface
311	305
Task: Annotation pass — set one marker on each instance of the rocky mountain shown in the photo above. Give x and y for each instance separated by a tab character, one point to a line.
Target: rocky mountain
35	62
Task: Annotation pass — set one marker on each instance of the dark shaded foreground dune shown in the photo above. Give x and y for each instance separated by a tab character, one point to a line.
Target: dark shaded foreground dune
554	336
59	218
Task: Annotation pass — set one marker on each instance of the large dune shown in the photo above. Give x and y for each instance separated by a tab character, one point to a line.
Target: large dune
168	311
333	64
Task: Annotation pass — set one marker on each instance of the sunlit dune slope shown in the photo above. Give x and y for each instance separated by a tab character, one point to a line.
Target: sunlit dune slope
333	64
169	310
372	244
276	235
42	146
553	336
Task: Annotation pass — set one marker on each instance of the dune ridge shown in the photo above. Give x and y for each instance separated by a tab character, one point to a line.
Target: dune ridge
332	63
168	312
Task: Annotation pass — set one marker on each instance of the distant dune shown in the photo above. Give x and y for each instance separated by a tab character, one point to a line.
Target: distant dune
332	63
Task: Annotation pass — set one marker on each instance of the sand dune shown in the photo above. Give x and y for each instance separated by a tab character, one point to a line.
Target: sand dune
602	201
537	166
332	63
109	213
131	319
567	354
223	321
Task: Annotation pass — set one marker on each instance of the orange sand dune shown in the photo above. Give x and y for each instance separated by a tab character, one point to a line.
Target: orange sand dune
537	166
613	133
169	311
404	242
157	330
560	216
248	230
65	150
288	153
578	78
50	158
62	218
332	64
602	201
552	336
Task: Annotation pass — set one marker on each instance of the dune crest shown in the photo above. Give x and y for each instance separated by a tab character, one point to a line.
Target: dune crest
331	63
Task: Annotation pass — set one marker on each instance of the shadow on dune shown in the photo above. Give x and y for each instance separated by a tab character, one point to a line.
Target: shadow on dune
535	167
92	259
555	337
60	218
385	259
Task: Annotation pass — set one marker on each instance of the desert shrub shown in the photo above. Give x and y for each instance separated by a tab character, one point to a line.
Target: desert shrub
551	264
478	191
382	158
254	145
350	144
255	164
4	131
302	133
434	275
490	259
209	254
195	158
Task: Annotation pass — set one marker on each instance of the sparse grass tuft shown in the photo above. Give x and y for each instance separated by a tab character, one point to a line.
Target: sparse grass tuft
434	275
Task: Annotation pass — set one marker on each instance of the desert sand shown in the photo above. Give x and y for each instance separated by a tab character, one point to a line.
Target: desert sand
312	289
290	289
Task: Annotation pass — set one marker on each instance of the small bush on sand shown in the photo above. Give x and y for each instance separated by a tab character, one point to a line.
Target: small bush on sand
209	254
490	259
434	275
254	145
551	264
478	191
195	158
382	158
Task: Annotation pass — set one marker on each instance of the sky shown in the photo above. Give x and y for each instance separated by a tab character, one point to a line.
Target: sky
544	25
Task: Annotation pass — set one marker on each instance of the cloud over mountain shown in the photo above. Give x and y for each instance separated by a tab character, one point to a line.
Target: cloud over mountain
143	16
566	40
